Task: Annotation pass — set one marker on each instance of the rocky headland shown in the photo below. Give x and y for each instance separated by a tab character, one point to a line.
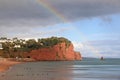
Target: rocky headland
56	53
45	49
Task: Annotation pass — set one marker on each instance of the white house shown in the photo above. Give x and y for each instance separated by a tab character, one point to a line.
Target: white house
1	46
15	39
9	40
17	46
3	39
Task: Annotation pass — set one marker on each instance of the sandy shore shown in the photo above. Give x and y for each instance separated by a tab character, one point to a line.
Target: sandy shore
5	64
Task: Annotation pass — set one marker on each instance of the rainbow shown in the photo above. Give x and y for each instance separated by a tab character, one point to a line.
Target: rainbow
45	4
50	8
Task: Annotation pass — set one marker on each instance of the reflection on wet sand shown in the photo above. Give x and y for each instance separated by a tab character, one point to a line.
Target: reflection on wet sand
65	70
38	71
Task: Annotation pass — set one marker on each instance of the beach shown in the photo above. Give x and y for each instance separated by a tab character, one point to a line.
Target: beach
87	69
6	63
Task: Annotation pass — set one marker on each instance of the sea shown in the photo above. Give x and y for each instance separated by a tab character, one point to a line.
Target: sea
87	69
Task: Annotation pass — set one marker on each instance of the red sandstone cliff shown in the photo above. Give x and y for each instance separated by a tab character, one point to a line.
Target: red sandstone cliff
57	52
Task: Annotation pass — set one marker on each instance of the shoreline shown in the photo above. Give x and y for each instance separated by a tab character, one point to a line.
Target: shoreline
5	64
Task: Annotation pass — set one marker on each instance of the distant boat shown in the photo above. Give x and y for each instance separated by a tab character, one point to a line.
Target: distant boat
102	58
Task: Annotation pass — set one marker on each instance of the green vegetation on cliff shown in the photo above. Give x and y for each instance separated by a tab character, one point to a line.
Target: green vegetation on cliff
18	47
49	42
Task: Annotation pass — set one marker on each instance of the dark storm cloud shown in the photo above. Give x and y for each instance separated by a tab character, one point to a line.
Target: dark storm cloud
29	13
24	12
71	9
75	9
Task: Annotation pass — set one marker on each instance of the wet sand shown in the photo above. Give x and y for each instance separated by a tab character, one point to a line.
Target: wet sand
5	64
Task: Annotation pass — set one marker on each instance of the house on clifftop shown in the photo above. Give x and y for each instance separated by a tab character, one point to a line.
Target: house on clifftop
1	46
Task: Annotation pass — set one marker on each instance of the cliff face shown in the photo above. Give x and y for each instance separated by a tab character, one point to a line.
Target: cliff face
57	52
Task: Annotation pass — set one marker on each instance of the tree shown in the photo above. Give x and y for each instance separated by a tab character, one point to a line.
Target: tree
7	48
32	44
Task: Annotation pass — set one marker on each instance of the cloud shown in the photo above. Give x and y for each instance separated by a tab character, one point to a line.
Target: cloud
75	9
30	32
44	32
106	19
98	48
24	15
26	10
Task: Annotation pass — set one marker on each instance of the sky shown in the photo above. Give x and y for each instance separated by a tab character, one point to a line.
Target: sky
92	25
